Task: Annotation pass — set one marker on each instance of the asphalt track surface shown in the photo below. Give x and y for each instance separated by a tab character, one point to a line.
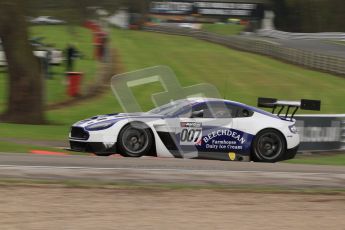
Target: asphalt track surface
152	170
317	46
322	47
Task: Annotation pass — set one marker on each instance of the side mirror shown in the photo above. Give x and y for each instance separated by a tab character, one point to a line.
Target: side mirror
197	114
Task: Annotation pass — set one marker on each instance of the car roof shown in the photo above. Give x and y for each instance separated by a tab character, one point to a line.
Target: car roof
202	99
195	100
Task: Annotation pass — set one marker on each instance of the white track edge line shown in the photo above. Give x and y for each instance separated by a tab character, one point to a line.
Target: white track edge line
157	169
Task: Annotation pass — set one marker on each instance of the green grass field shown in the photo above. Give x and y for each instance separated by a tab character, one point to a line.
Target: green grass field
26	148
79	36
338	159
59	37
340	43
238	75
224	29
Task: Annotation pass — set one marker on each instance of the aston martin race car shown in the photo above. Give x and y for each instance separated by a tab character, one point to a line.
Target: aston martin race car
197	128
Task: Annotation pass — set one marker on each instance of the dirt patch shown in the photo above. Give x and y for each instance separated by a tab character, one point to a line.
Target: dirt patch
75	208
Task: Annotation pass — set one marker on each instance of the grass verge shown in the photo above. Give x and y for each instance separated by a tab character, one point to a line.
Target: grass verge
27	148
337	42
333	159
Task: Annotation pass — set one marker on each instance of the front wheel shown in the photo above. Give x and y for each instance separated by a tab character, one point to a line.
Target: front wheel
269	146
135	140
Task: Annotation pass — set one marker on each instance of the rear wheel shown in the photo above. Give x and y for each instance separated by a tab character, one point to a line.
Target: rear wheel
269	146
135	140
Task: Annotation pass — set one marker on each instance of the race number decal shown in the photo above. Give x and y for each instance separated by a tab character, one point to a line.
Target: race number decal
191	133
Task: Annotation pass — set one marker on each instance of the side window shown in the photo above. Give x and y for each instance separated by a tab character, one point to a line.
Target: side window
186	113
212	110
183	112
219	110
243	112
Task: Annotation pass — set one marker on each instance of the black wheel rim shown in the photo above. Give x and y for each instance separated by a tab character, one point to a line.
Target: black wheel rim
134	140
270	146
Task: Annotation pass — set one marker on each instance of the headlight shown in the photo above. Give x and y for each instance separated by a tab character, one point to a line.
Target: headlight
293	129
100	126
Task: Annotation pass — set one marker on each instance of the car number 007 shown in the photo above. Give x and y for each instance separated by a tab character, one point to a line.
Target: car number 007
190	135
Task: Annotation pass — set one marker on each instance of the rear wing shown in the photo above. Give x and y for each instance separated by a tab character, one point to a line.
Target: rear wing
273	103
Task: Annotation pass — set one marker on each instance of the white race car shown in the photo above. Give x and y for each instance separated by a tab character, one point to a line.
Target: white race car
47	20
56	56
196	128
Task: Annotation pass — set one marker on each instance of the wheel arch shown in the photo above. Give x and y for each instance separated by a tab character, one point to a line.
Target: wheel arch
262	130
153	151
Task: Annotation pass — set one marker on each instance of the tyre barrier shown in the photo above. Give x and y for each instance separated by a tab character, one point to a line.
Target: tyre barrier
336	36
321	132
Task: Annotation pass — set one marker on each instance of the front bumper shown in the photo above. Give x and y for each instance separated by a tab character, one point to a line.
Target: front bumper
91	147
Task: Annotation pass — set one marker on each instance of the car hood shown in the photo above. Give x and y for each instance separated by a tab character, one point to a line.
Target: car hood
115	116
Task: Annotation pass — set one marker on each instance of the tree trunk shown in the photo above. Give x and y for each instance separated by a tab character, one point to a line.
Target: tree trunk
25	91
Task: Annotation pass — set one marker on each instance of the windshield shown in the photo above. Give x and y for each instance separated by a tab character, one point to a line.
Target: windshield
171	108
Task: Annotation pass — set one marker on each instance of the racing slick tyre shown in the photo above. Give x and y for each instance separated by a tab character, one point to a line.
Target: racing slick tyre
135	140
269	146
290	154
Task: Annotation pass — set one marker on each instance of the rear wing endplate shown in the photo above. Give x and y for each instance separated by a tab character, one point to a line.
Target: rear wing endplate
274	103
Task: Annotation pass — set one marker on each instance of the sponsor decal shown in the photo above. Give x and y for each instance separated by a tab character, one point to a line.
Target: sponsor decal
232	156
206	8
191	133
191	124
224	132
234	9
171	7
214	139
225	140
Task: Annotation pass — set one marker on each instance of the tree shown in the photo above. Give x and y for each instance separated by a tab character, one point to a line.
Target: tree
309	15
281	14
25	91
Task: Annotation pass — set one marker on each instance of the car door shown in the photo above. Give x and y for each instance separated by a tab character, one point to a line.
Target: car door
200	128
244	124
